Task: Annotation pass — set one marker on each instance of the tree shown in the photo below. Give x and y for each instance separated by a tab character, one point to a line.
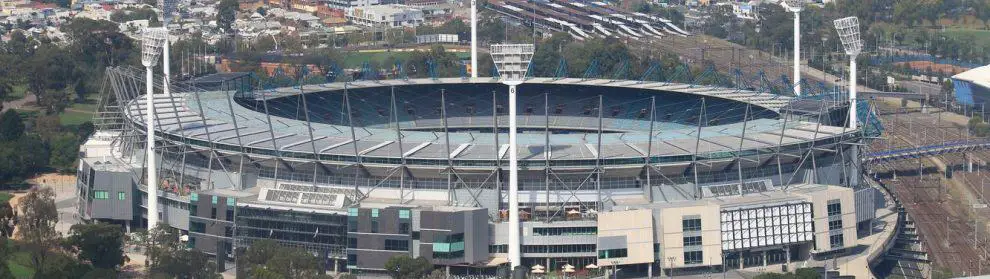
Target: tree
7	218
11	126
85	130
169	258
64	152
268	259
37	225
405	267
226	14
100	244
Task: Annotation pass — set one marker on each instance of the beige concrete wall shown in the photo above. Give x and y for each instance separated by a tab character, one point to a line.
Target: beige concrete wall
670	232
636	226
820	210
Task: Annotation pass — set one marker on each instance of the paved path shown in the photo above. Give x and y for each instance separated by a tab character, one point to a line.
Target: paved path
19	103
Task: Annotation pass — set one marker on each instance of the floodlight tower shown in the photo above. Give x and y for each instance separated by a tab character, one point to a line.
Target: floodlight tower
848	29
168	8
474	38
512	62
151	48
795	6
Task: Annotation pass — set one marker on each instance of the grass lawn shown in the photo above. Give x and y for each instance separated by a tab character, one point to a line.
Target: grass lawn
977	37
68	118
20	271
19	91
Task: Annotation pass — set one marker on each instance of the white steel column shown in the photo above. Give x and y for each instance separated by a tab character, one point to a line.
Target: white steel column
515	257
150	150
474	38
165	68
797	53
852	92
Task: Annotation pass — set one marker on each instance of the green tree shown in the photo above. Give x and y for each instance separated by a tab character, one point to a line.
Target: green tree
7	219
226	14
169	258
100	244
64	152
405	267
11	126
268	259
37	226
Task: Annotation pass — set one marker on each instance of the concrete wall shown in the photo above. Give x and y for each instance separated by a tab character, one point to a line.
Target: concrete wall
671	234
631	230
819	208
114	183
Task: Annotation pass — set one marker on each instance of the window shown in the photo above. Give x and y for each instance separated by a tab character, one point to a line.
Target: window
396	245
194	197
562	248
352	242
835	225
691	225
101	195
613	253
352	224
374	225
835	240
213	213
192	242
498	249
374	213
192	209
404	213
230	214
231	201
834	208
228	231
352	260
214	199
565	231
693	257
197	227
404	228
121	196
352	212
692	240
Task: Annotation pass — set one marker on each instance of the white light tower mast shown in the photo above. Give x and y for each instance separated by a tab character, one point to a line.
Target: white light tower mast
795	6
848	29
151	48
474	38
512	62
168	8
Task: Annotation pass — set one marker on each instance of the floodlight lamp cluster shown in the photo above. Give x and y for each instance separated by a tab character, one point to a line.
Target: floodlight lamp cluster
152	41
848	29
794	5
512	61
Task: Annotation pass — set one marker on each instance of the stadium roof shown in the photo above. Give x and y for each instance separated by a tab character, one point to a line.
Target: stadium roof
180	116
979	76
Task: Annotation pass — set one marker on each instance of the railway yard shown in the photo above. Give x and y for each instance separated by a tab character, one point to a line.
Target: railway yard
946	207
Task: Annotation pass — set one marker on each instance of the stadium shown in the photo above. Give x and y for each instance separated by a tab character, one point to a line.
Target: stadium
642	176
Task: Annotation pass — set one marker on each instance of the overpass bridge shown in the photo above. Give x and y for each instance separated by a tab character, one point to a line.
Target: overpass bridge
925	151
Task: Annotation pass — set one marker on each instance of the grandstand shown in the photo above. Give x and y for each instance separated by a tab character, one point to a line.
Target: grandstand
972	87
363	170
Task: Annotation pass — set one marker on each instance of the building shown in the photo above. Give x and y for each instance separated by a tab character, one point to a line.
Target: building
708	178
973	86
393	15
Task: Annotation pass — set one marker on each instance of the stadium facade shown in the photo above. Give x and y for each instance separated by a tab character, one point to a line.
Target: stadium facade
972	87
648	176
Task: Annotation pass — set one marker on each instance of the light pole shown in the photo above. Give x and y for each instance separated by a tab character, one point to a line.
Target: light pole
151	48
512	62
848	29
474	38
168	8
795	6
